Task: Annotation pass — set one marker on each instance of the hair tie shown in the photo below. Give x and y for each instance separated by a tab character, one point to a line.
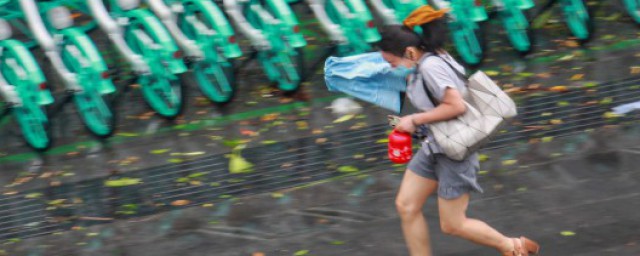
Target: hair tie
423	15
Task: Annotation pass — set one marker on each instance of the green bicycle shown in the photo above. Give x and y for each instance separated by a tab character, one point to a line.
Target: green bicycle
22	85
150	50
203	32
75	59
274	33
348	23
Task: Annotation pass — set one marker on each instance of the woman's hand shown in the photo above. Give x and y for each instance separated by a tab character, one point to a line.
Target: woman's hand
406	124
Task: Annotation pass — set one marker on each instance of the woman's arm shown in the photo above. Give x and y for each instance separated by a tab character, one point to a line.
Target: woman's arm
452	105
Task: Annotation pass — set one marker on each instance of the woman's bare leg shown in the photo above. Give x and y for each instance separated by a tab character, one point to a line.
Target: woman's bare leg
454	221
412	195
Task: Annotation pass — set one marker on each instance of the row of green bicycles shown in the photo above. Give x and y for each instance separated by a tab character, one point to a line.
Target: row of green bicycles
160	40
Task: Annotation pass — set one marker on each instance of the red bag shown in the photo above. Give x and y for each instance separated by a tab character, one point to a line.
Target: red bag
400	151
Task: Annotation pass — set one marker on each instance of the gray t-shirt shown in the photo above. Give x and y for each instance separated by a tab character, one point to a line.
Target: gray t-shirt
439	76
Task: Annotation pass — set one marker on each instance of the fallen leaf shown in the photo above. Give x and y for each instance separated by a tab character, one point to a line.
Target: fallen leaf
128	134
159	151
491	72
269	117
302	125
555	121
257	254
301	253
635	70
563	103
567	233
33	195
347	168
544	75
381	141
609	115
181	202
343	119
321	140
509	162
577	77
547	139
175	161
483	157
571	43
248	132
606	100
317	131
207	205
268	142
336	242
559	88
122	182
277	195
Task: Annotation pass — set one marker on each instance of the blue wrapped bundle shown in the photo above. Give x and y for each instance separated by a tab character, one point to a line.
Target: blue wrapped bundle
367	77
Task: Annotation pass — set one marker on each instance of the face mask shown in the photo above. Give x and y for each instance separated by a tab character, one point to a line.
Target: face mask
403	71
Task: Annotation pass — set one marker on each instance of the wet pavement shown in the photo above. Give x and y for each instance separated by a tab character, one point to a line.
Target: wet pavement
292	141
576	195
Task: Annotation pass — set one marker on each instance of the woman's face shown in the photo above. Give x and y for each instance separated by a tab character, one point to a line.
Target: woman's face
396	61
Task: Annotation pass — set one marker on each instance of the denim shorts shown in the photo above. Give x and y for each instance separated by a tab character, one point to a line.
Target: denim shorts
455	178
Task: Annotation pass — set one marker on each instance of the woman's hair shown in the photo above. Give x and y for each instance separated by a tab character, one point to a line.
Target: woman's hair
396	38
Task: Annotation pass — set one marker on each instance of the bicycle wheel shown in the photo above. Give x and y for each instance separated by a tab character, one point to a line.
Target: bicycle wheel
92	108
162	90
214	77
31	115
578	19
288	79
517	27
633	9
215	80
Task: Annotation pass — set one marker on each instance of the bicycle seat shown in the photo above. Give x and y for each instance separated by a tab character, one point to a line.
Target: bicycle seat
127	5
60	17
5	30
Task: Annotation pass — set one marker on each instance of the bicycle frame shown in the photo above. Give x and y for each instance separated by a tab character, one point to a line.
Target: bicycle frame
348	23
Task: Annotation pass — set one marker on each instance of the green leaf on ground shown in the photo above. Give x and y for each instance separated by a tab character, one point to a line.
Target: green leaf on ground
509	162
301	253
567	233
159	151
122	182
343	119
382	141
347	168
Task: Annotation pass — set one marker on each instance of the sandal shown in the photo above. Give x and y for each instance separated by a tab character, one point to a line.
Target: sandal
530	247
